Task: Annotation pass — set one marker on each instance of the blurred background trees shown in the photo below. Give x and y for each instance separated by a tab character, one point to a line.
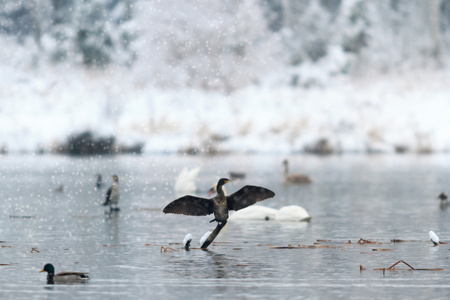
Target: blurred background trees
226	45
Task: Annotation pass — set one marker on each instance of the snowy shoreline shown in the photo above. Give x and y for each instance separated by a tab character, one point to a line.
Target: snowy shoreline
391	114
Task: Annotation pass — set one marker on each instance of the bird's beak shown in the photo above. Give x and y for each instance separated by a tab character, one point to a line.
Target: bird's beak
229	180
41	271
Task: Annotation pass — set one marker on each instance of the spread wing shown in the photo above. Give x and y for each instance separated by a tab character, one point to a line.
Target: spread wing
247	196
190	205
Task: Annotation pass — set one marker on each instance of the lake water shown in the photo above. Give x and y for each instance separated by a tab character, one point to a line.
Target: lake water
378	198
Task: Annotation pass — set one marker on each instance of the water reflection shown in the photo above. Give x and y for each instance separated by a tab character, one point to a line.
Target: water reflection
112	223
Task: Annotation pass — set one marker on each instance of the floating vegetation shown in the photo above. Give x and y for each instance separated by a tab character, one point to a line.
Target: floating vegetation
307	247
403	241
391	268
363	241
34	250
167	249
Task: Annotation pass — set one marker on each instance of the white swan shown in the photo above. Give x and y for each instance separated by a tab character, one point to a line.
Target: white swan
255	212
291	213
186	180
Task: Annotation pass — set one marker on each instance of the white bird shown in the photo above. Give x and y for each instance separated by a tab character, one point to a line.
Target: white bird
186	180
291	213
256	212
187	241
204	237
433	237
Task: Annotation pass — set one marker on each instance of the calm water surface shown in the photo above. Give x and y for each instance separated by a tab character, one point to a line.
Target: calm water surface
378	198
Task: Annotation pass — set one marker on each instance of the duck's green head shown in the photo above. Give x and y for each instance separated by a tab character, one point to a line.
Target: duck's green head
48	268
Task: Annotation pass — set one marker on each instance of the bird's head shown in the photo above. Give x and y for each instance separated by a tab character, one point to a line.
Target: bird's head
285	162
222	182
115	178
48	268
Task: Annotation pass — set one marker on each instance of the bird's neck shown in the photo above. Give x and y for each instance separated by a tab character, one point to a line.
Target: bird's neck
220	191
50	278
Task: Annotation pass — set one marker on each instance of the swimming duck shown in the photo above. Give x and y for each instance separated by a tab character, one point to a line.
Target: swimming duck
113	195
219	204
98	182
63	277
294	178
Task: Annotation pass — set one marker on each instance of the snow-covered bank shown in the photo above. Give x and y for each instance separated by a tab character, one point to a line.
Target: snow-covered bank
41	107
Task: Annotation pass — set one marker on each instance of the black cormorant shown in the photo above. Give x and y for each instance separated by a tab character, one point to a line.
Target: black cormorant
220	204
113	195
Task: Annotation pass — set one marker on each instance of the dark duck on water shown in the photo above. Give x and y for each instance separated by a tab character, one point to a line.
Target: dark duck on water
220	204
63	277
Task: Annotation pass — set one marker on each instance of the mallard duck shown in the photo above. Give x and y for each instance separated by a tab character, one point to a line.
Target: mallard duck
294	178
63	277
220	204
113	195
